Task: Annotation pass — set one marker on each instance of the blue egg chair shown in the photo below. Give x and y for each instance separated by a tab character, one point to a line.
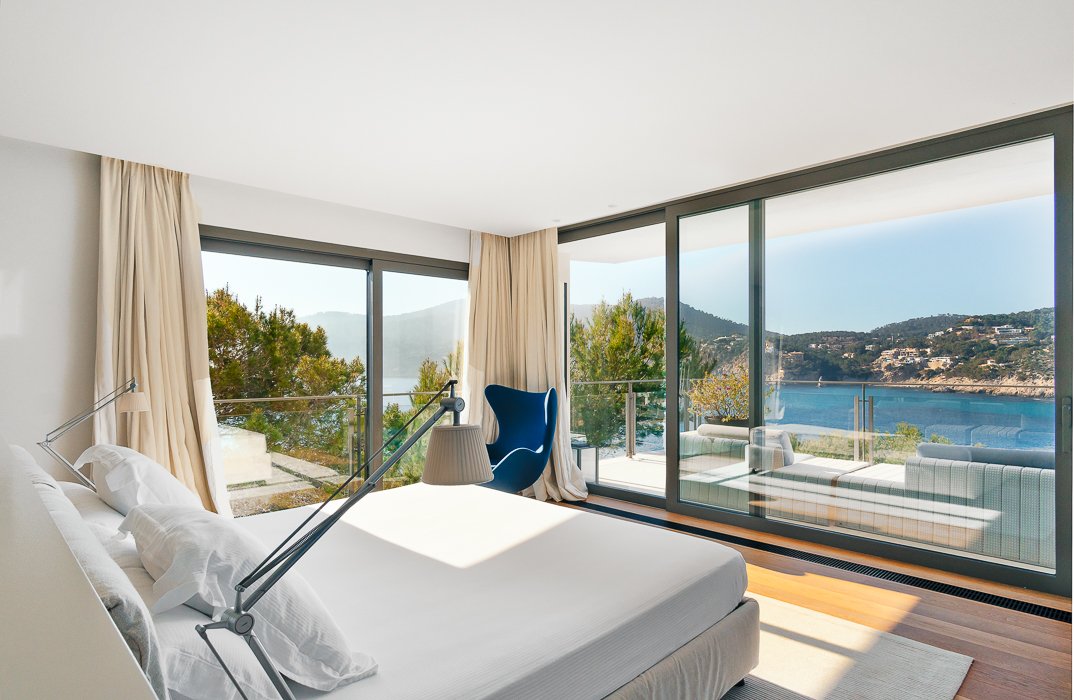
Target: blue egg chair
527	422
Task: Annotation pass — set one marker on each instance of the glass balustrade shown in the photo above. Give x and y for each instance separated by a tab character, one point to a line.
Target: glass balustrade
617	433
284	452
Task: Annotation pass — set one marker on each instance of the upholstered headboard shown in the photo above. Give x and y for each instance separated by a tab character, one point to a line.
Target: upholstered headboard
61	641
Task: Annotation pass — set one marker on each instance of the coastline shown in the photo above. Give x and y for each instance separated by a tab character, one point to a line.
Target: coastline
1040	389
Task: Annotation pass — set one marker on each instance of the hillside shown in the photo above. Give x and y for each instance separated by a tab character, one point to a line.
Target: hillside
701	324
919	326
408	338
935	349
346	332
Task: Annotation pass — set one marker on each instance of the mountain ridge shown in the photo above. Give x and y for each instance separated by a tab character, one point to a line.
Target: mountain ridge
409	338
700	324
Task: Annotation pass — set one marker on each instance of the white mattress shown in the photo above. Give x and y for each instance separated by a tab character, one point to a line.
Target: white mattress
466	592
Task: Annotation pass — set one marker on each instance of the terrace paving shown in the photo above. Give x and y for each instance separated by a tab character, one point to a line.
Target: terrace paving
289	475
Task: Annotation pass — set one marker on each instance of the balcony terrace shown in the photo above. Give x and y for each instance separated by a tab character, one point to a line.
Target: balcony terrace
944	467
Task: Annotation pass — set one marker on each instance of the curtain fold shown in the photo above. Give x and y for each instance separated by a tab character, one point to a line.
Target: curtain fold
517	339
490	345
151	324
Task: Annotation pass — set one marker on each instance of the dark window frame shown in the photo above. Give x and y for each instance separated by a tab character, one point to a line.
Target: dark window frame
1054	123
217	239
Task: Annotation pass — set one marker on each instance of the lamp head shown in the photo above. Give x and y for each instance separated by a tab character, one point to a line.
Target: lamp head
456	456
133	402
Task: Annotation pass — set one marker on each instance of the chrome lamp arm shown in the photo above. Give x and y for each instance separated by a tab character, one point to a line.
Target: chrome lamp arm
238	619
55	434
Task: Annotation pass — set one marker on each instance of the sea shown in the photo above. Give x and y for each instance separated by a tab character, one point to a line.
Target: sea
962	418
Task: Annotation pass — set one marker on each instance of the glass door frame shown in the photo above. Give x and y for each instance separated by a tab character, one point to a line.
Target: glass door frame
1054	123
648	218
375	262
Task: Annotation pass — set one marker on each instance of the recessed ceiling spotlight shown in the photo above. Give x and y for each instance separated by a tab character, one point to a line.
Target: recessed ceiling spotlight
611	206
556	221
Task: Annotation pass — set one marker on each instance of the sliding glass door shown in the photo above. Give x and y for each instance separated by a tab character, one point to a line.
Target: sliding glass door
713	341
424	328
873	354
616	320
910	355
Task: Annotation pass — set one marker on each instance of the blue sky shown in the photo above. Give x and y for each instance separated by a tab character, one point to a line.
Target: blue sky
990	259
310	289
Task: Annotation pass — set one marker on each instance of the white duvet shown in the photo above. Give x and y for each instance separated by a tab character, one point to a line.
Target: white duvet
466	592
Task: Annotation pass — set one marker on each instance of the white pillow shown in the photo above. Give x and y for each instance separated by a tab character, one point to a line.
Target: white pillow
90	506
193	673
190	670
777	439
729	432
126	478
192	552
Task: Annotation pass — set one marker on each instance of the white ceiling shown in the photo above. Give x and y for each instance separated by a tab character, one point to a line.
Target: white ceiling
507	117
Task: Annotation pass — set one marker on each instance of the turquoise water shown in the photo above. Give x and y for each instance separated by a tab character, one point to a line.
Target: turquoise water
964	419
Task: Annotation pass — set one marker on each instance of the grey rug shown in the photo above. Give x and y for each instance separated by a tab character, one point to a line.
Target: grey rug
806	655
757	689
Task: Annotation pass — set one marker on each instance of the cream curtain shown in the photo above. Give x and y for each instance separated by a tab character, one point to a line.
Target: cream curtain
516	339
490	345
151	324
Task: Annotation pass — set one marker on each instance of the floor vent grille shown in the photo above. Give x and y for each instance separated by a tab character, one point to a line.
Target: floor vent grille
916	581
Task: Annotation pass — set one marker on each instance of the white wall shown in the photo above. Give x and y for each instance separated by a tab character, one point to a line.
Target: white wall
48	291
250	209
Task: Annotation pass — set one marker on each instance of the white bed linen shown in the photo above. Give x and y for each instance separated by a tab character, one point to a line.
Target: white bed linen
466	592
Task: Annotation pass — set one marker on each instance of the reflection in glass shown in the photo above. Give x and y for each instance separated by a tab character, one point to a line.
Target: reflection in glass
909	355
714	436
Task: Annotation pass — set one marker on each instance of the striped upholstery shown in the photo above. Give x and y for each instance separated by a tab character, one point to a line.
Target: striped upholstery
719	451
725	487
994	510
804	491
713	470
990	509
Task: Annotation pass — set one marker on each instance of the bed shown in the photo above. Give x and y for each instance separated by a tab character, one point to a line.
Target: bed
467	592
494	595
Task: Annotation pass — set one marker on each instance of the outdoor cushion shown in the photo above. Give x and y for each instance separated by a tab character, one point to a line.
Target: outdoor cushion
716	430
773	438
1040	459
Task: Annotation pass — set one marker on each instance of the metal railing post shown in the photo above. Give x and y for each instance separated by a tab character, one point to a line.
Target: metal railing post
631	416
352	422
869	427
857	428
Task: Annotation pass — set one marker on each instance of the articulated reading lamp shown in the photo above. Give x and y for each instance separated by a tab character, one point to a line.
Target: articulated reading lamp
127	400
456	456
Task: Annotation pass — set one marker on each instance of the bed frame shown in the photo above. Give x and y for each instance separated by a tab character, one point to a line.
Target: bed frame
707	666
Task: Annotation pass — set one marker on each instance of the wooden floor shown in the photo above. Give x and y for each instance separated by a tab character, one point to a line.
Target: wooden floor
1016	655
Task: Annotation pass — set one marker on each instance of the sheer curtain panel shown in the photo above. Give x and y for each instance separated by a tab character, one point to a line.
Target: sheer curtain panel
151	323
516	339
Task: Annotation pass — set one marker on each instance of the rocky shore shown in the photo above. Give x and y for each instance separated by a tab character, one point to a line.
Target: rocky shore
1009	386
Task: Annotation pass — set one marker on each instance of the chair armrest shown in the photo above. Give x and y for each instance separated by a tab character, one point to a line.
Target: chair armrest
496	452
515	455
